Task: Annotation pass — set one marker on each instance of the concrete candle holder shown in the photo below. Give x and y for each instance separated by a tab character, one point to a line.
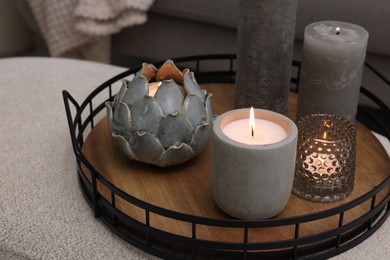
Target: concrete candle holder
252	181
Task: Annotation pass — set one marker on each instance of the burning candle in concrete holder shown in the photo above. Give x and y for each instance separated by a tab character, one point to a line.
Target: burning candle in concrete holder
332	69
325	166
253	163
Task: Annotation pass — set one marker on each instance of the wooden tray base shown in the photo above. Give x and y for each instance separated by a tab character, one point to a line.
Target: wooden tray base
186	188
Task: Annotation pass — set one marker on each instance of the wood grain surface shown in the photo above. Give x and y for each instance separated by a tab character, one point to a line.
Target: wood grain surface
186	188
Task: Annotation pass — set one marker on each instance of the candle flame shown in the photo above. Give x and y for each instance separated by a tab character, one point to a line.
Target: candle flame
328	125
252	121
338	30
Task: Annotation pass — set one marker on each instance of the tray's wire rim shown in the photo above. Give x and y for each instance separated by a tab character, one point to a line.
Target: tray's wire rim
358	229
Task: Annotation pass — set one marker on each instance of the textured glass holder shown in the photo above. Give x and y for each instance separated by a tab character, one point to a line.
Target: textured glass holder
325	165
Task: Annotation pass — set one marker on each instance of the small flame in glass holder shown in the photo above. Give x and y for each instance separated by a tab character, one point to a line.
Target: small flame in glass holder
327	125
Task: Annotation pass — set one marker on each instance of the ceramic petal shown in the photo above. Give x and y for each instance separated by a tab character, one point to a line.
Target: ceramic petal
121	122
169	71
174	130
175	155
149	71
209	108
200	138
124	146
110	115
146	115
137	89
170	97
119	96
194	110
147	147
191	86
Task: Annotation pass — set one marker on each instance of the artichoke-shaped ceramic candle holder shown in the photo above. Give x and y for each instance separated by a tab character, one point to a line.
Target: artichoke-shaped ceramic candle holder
161	117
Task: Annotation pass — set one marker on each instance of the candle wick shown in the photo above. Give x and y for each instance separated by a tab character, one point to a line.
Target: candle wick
253	133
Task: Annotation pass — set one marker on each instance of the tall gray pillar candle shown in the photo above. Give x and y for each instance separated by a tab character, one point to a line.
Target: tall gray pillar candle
265	43
332	69
253	167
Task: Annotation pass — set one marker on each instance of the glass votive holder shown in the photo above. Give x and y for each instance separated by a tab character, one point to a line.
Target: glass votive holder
325	165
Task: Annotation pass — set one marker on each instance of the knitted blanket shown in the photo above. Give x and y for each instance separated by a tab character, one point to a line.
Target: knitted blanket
82	28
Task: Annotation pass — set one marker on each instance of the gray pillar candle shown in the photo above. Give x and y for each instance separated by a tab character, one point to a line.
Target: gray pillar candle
264	53
332	69
252	176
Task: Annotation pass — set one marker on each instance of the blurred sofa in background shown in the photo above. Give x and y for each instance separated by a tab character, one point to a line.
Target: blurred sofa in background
177	28
180	28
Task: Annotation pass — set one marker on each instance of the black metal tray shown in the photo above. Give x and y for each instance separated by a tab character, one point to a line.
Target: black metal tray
82	118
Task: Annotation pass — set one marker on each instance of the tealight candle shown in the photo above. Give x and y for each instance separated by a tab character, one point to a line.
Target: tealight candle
332	69
244	131
253	166
325	166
